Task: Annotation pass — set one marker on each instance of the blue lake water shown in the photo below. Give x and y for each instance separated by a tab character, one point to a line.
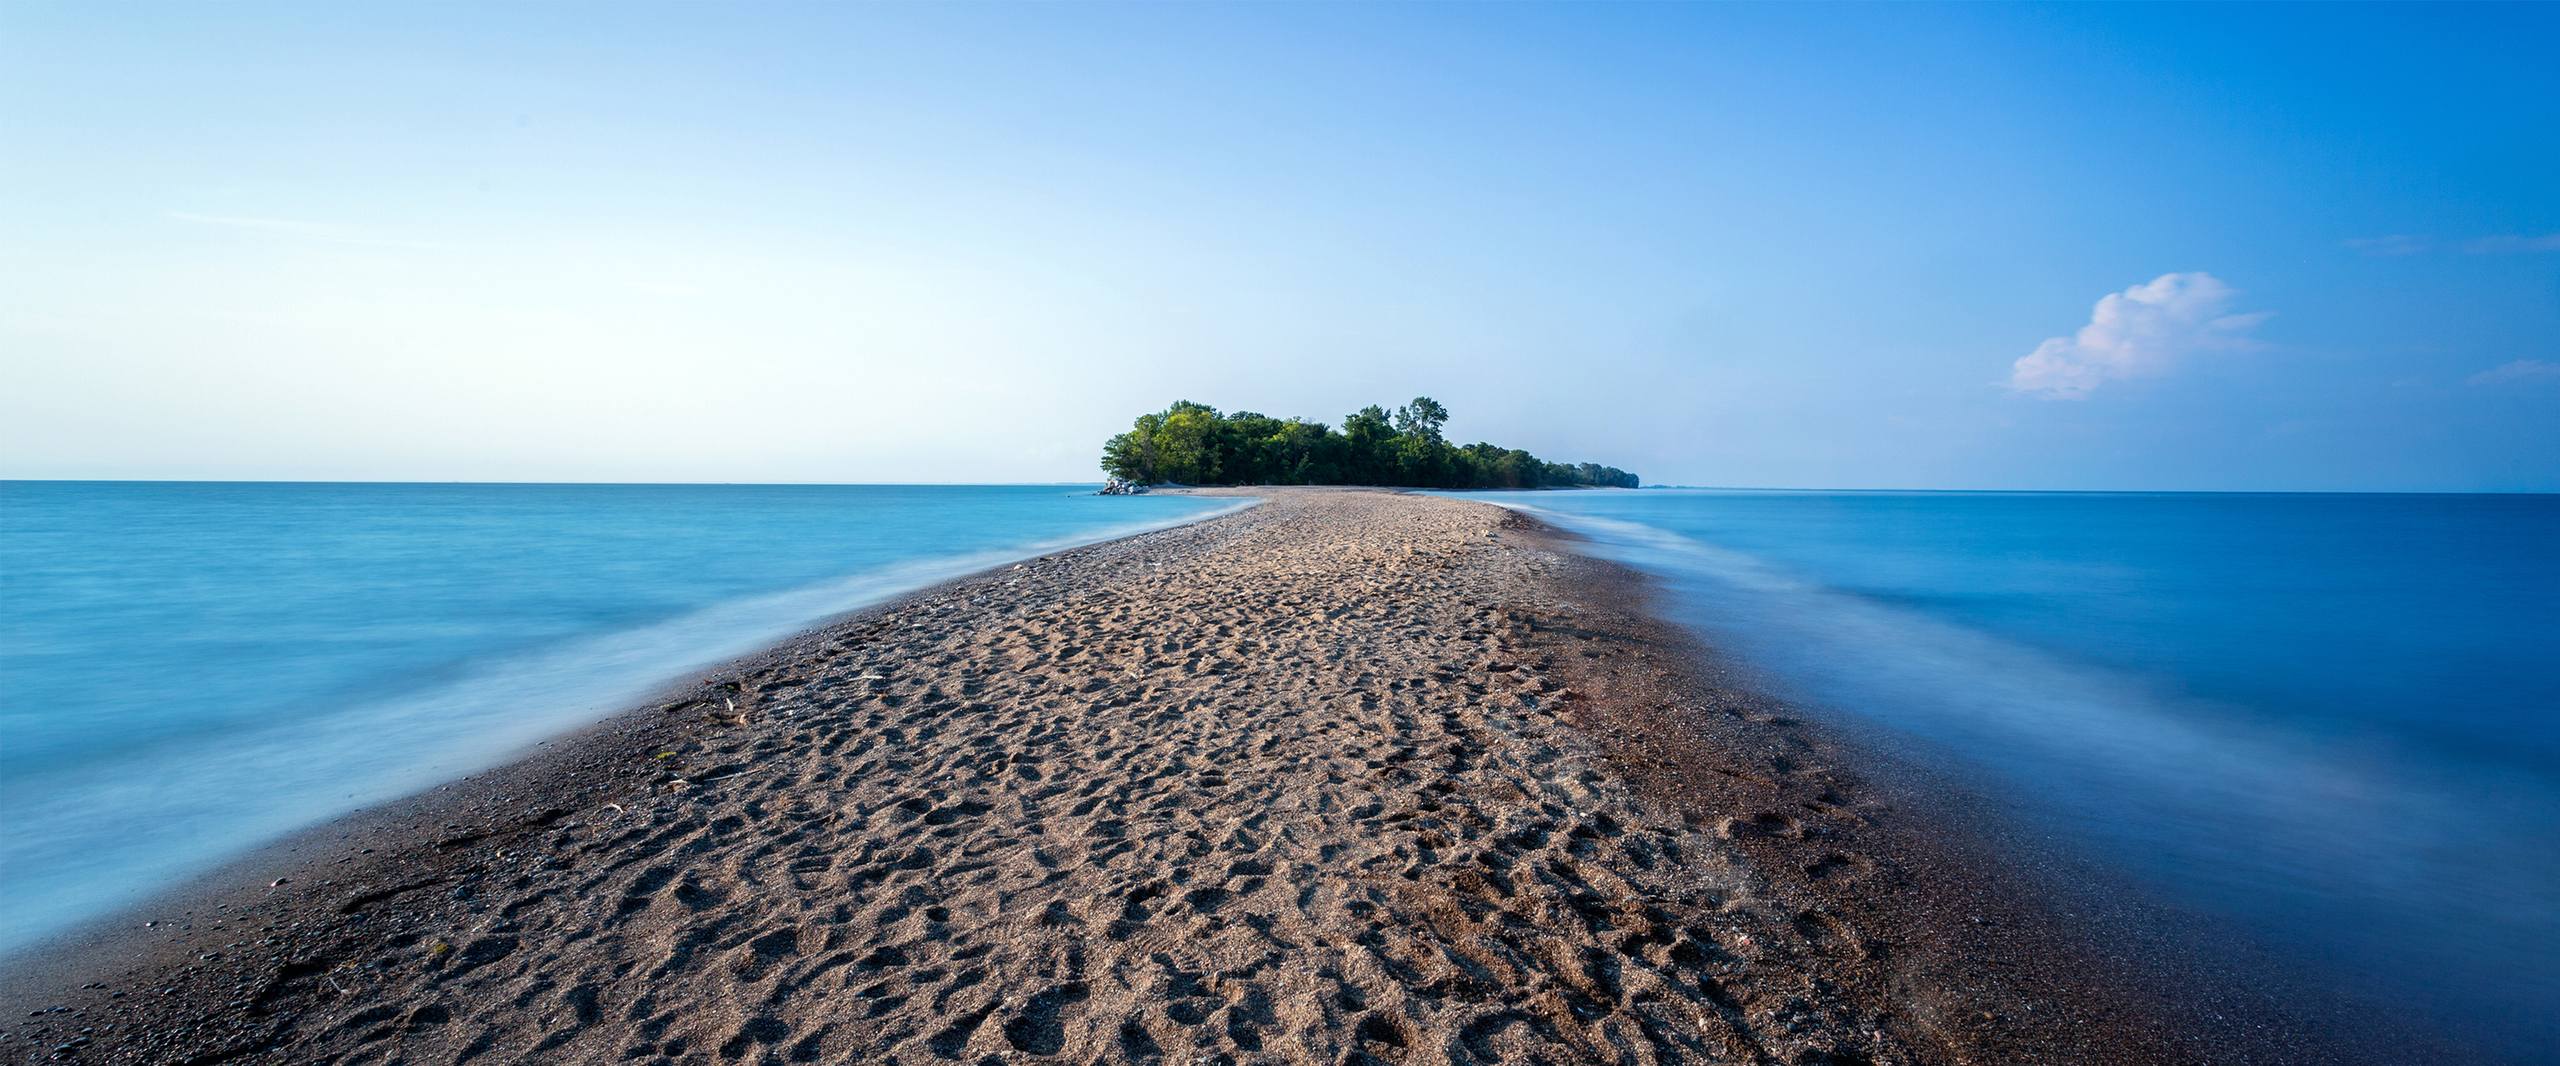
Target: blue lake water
192	668
2329	721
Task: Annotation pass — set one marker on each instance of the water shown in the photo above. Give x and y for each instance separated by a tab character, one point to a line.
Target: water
193	668
2332	721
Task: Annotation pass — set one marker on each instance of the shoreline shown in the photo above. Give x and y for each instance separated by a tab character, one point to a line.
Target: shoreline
720	634
2211	988
1849	910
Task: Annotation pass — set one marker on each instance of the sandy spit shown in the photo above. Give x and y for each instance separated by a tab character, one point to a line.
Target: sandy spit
1348	777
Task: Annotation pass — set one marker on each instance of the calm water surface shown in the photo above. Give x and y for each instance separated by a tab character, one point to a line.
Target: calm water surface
193	668
2332	720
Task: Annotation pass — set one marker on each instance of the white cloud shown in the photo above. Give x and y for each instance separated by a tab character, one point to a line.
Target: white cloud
298	228
2398	244
2513	242
2139	332
2517	373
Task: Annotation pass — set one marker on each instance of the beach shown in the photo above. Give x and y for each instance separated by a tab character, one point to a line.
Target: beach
1347	776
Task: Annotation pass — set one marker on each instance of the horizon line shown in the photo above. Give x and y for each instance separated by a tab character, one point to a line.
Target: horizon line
1047	484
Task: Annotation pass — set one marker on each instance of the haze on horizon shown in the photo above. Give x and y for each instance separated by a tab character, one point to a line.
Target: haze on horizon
2109	247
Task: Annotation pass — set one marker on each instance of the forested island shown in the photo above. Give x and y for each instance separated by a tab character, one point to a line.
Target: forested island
1194	444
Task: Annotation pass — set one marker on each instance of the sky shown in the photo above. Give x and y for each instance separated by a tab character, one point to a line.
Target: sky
2076	247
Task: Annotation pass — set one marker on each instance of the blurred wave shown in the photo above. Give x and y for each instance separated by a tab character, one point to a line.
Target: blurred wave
196	668
2330	719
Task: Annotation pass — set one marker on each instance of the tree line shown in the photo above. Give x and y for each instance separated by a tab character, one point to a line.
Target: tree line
1193	444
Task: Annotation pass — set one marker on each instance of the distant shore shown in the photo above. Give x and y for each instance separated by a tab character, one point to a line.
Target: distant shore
1345	774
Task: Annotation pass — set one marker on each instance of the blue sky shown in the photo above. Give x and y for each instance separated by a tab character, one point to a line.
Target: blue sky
1793	246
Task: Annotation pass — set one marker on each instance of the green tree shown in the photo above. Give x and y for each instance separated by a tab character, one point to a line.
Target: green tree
1422	418
1186	444
1194	444
1125	458
1369	442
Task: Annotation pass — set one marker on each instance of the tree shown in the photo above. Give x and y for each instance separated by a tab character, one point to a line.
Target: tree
1369	446
1194	444
1186	444
1305	452
1422	418
1131	456
1124	458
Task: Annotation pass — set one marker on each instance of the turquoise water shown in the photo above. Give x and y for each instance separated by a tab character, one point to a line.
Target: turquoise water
193	668
2331	722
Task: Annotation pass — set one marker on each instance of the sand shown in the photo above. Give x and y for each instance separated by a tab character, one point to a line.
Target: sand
1345	777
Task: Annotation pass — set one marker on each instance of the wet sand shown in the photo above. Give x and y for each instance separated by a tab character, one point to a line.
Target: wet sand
1346	777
